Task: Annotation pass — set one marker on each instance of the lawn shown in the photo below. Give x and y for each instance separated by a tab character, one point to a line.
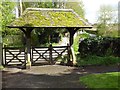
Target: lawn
104	80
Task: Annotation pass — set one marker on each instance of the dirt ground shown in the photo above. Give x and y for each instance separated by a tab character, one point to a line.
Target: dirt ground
49	76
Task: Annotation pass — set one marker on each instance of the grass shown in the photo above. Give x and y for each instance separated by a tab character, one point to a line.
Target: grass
1	67
97	60
104	80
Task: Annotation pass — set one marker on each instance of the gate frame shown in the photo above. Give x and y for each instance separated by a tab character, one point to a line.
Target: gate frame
50	49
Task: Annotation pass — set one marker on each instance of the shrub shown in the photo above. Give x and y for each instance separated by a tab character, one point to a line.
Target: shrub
100	46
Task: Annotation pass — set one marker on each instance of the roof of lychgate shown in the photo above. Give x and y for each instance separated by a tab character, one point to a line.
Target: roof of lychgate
49	17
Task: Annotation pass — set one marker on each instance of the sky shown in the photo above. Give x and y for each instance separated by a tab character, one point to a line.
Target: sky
92	7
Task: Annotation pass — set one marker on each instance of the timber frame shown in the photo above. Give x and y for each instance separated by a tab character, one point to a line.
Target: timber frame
28	29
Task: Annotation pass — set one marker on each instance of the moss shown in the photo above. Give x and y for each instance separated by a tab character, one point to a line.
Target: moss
48	18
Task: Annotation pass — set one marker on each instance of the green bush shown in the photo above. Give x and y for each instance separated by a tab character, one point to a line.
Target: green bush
100	46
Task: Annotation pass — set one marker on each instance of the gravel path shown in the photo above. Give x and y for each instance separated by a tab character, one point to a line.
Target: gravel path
49	76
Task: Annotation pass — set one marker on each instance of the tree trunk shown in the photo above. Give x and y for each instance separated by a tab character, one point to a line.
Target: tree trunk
21	9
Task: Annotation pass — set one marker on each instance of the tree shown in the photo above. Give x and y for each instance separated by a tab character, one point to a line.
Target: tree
36	5
105	14
106	19
78	7
0	23
7	9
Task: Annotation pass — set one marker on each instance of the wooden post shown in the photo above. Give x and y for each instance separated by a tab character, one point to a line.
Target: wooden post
69	62
28	48
5	54
72	31
1	53
71	38
68	52
50	54
27	33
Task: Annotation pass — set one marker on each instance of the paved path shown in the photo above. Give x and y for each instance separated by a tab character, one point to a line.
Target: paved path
49	76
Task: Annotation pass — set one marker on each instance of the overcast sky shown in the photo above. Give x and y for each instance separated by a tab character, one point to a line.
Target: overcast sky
92	7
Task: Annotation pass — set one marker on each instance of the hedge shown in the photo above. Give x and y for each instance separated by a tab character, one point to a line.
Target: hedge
100	46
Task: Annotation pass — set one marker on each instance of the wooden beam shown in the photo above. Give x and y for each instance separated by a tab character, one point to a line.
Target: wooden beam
23	30
72	31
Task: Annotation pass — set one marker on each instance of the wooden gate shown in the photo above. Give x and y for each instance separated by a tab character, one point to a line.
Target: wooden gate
48	55
40	54
13	55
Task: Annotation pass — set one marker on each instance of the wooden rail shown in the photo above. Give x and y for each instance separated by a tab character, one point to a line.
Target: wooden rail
13	55
16	55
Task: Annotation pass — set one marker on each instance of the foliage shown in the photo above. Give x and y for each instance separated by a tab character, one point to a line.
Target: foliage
78	7
7	9
107	20
101	46
97	60
110	30
1	67
105	14
12	40
45	36
62	59
77	40
104	80
37	4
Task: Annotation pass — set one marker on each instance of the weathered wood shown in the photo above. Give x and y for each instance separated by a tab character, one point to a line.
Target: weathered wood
72	31
71	38
27	33
56	51
73	56
28	49
68	52
11	55
41	54
50	54
5	56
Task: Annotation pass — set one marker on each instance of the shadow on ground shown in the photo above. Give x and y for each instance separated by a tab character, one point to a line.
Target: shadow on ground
49	76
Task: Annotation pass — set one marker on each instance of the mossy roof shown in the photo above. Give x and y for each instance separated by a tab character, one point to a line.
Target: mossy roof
43	17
